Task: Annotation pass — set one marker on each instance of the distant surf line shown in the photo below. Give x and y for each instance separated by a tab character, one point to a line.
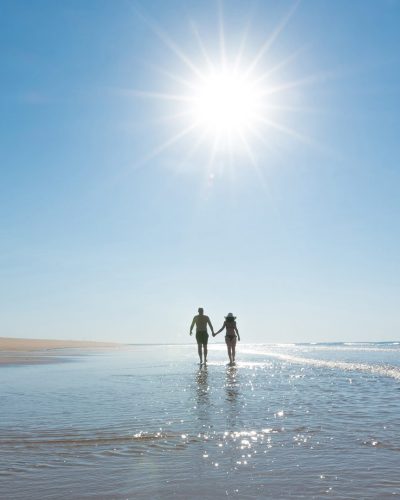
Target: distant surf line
381	370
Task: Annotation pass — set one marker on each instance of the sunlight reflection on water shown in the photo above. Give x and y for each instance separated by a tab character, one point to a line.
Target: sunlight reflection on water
148	421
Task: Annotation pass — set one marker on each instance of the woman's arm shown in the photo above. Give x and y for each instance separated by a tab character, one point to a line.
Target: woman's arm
237	333
220	330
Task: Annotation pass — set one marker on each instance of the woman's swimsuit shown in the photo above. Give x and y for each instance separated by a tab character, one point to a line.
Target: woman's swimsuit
230	332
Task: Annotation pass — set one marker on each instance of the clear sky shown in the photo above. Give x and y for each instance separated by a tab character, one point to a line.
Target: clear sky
119	217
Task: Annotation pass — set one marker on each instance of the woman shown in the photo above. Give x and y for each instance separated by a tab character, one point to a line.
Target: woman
230	336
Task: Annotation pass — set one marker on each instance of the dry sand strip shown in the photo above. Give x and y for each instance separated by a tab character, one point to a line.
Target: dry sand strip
15	351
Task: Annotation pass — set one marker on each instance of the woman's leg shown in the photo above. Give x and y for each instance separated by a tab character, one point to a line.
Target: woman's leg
233	349
228	345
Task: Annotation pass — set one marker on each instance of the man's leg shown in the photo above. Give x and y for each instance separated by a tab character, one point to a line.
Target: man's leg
200	352
205	352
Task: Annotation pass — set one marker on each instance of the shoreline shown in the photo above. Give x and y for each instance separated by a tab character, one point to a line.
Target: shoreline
21	351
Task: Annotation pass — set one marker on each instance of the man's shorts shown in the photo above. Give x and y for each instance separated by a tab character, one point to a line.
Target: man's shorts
202	337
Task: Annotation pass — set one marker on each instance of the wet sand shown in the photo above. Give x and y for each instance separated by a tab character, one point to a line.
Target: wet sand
37	351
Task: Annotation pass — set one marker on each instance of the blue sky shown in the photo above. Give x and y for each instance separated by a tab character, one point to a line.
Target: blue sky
105	236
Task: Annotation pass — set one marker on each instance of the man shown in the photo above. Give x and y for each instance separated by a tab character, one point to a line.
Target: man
201	321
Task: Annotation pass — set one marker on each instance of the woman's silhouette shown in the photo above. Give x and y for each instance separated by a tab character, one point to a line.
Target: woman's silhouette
231	334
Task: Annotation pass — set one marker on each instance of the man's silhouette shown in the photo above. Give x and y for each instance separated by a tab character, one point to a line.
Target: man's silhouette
201	321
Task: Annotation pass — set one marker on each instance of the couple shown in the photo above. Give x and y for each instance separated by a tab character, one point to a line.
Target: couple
201	321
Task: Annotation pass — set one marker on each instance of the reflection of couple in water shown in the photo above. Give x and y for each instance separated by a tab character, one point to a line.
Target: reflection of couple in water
232	333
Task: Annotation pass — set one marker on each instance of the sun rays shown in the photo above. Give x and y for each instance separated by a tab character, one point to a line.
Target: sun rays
228	104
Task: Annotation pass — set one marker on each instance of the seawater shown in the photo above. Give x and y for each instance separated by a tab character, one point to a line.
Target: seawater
288	421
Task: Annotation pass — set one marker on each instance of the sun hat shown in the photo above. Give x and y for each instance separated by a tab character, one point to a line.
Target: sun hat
230	316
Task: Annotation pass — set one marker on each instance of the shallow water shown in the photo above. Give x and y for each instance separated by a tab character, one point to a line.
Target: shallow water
301	421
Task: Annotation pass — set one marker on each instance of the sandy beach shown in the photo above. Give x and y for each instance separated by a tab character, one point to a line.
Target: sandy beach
34	351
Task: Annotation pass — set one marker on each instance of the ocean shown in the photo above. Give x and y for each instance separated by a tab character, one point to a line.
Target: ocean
287	421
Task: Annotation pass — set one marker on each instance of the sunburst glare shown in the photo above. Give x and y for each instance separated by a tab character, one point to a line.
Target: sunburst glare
228	106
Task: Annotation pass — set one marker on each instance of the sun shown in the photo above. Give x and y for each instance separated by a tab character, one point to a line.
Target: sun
225	103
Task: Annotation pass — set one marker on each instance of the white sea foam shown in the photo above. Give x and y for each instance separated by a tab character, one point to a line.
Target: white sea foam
373	369
341	347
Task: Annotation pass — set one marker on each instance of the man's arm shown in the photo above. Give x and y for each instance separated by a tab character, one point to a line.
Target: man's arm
192	325
209	322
